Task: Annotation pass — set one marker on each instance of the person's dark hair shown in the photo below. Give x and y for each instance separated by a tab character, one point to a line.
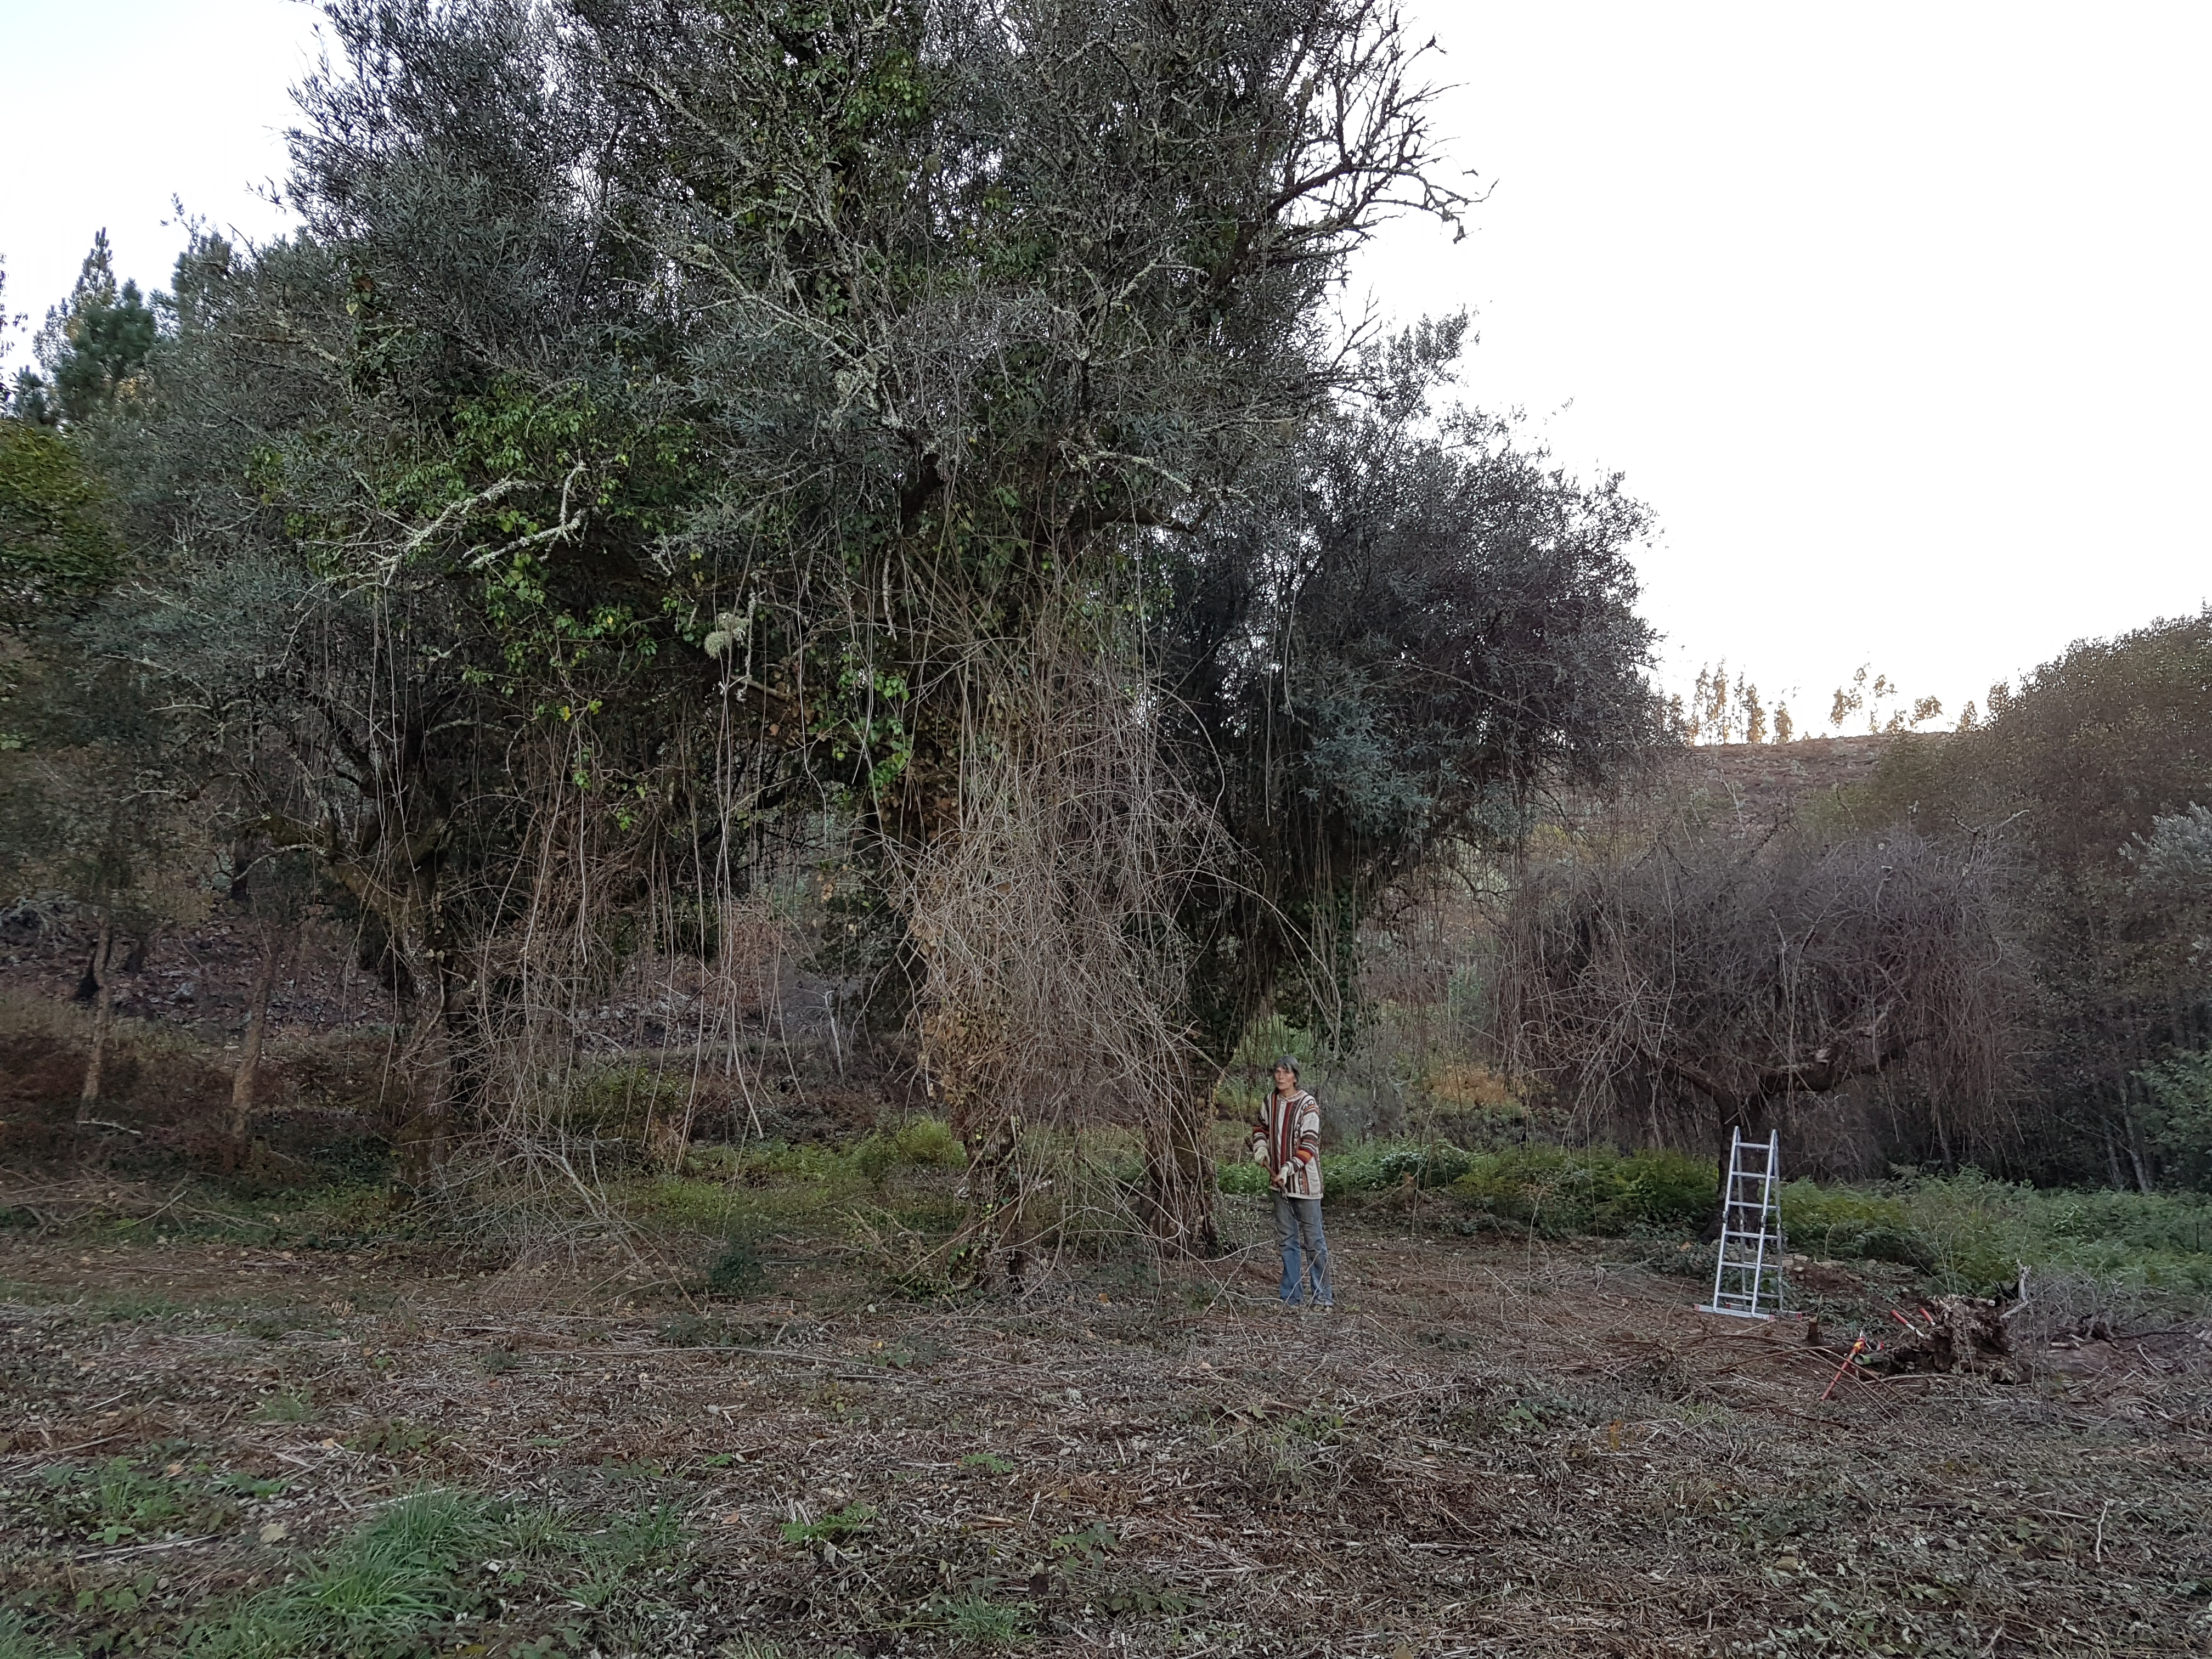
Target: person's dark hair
1287	1063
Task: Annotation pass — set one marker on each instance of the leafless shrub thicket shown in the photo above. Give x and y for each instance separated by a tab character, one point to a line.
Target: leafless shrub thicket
1698	979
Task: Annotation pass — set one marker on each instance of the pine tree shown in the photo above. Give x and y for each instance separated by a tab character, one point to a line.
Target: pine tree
91	347
13	400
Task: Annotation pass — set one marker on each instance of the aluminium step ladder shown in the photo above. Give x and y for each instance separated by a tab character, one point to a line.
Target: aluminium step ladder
1748	1278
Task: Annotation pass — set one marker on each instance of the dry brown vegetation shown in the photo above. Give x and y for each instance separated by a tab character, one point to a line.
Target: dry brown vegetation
1495	1444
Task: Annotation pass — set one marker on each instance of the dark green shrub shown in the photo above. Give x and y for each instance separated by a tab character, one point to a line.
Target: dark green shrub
1847	1223
1379	1165
928	1143
1556	1190
1667	1190
738	1270
1242	1176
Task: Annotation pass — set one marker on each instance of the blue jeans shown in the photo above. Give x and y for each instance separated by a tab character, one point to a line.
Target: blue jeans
1294	1216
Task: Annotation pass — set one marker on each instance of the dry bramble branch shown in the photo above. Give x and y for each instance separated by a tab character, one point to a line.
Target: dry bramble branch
1710	980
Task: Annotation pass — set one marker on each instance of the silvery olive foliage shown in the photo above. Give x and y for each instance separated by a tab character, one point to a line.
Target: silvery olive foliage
1430	629
677	428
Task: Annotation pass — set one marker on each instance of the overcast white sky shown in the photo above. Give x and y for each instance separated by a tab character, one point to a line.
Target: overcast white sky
1897	314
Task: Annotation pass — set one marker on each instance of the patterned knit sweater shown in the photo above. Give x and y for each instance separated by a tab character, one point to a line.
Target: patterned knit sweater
1288	1135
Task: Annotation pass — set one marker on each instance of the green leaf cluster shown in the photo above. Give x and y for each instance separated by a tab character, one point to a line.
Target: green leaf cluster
57	544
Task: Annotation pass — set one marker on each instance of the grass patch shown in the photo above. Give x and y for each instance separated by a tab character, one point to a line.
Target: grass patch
130	1307
343	1215
836	1525
980	1622
381	1587
340	1216
719	1181
163	1493
397	1584
19	1640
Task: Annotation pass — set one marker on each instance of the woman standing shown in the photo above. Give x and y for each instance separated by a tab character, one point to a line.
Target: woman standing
1287	1141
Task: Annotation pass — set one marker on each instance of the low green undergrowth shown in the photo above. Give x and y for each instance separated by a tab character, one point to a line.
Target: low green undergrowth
434	1556
530	1576
778	1186
923	1143
335	1216
1965	1231
1971	1232
1555	1189
20	1639
1596	1190
164	1492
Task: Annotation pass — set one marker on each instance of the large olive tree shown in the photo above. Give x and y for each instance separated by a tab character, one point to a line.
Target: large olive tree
669	415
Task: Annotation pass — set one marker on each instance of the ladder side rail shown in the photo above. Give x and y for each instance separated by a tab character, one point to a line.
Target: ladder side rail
1771	1218
1767	1220
1727	1192
1758	1270
1751	1240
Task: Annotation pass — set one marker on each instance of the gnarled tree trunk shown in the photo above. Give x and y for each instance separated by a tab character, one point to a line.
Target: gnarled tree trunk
103	1014
1180	1177
243	1084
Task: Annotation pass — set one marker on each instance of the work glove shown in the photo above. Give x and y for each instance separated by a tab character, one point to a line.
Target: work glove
1283	1176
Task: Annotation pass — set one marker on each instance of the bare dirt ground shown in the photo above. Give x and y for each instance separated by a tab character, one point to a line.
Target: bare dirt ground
1488	1448
198	979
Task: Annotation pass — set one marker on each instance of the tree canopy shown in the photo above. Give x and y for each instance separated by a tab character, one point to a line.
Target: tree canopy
2091	773
682	431
92	346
